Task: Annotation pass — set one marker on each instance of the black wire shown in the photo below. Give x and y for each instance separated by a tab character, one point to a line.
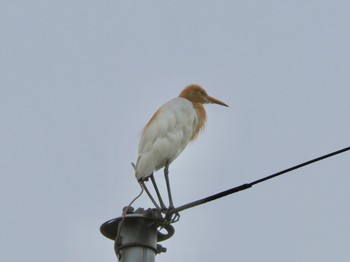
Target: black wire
301	165
249	185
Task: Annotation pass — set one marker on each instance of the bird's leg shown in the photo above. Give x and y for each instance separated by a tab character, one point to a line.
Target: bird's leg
157	192
149	195
143	185
166	174
176	216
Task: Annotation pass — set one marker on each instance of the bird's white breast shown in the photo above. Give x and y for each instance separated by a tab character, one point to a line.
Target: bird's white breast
166	136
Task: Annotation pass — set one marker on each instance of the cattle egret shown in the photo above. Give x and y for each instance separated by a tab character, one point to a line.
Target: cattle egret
167	133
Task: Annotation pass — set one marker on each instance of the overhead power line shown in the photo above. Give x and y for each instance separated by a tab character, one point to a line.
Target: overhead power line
249	185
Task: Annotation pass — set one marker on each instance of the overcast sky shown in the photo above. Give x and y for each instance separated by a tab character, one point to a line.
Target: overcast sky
79	80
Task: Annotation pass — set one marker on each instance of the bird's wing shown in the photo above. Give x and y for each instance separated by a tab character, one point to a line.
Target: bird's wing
165	136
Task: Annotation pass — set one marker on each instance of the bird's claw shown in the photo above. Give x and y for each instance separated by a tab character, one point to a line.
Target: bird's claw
172	217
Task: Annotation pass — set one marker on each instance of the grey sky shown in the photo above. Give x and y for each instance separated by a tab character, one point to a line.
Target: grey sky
79	79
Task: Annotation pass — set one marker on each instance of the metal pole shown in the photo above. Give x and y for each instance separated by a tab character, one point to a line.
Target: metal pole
136	235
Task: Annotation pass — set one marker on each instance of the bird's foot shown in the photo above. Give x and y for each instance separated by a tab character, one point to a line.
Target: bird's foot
171	217
163	209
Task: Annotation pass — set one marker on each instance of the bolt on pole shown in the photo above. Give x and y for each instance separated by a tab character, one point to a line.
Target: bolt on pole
136	234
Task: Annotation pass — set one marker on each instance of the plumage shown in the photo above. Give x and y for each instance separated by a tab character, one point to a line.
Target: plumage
170	130
165	136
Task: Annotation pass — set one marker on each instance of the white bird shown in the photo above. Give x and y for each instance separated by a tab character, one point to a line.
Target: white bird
167	134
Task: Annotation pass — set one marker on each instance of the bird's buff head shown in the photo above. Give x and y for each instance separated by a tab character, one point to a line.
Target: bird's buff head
197	94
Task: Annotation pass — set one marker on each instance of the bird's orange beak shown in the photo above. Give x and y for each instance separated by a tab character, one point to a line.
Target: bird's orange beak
215	101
